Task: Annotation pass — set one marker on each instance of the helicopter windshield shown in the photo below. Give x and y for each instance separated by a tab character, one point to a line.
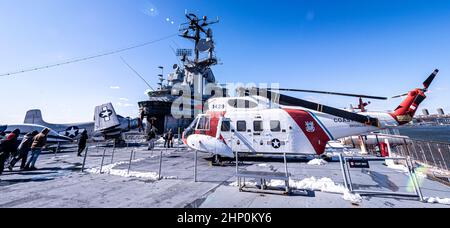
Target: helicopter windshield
203	123
191	129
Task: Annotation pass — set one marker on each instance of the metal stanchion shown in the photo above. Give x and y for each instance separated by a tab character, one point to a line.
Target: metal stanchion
237	171
195	166
286	165
57	148
131	159
423	154
84	160
416	155
287	174
443	160
160	165
446	162
432	156
103	160
415	182
344	173
237	163
113	152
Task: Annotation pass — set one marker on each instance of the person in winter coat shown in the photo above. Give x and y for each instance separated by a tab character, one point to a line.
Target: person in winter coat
39	142
170	137
82	143
8	146
151	139
166	139
23	151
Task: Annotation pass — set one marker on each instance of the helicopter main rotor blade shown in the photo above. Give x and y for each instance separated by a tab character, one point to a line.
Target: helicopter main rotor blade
296	102
398	96
292	101
332	93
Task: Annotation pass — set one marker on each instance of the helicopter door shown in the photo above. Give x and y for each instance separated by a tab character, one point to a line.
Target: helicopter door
259	135
240	141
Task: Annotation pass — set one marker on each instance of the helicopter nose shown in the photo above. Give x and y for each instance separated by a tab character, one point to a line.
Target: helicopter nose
184	138
208	144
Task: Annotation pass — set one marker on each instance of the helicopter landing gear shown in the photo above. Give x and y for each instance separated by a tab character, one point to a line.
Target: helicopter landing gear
326	158
217	160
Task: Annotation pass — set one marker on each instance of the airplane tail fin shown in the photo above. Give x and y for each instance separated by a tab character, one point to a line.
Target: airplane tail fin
105	118
34	117
408	108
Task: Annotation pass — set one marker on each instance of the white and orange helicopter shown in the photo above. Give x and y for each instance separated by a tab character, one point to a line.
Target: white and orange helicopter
280	124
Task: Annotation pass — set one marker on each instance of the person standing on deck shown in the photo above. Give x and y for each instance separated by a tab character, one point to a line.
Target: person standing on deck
82	143
39	142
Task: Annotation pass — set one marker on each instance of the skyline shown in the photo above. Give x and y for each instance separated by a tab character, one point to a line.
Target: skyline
376	48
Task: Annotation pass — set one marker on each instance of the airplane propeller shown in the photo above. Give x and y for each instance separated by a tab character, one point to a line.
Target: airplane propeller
426	84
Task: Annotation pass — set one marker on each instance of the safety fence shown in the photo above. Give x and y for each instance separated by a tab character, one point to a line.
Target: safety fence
434	154
105	157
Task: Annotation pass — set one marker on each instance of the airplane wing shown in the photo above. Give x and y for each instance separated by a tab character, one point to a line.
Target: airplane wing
105	118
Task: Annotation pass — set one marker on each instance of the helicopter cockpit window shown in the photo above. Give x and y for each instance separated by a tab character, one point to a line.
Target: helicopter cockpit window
242	103
203	123
226	126
275	126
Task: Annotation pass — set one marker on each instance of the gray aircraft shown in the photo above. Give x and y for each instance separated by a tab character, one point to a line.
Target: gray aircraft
52	138
107	124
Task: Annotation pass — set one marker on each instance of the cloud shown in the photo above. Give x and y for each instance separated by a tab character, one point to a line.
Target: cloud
124	99
120	104
114	87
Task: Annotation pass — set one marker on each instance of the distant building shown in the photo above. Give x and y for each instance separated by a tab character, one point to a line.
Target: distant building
425	112
441	112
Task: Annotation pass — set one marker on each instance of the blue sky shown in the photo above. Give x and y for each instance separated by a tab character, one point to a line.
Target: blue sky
373	47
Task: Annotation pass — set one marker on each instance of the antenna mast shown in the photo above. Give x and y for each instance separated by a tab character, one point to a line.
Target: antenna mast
194	30
161	78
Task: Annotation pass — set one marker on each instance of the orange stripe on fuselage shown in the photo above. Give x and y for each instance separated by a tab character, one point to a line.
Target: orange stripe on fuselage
316	136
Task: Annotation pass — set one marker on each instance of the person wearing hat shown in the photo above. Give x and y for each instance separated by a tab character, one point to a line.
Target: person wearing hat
8	146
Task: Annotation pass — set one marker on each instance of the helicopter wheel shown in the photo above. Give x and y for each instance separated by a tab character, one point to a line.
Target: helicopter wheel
217	160
326	158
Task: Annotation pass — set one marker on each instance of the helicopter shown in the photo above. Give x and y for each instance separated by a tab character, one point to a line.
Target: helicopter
265	121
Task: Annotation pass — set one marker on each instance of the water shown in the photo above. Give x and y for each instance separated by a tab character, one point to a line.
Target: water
428	133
